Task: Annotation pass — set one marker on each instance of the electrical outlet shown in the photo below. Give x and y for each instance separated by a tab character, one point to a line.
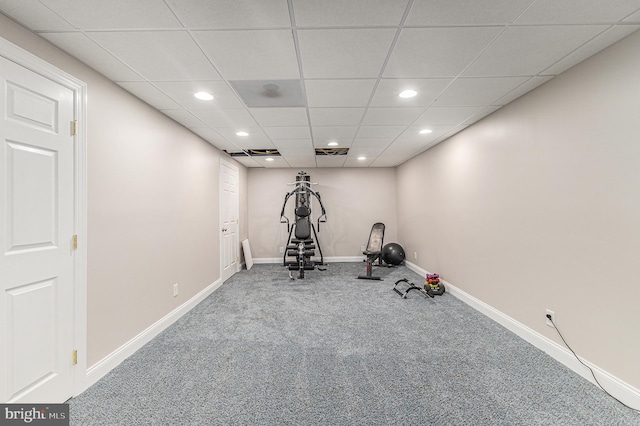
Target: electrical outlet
415	255
175	290
550	321
281	250
362	248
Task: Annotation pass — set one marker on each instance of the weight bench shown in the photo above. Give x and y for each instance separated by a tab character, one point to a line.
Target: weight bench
374	250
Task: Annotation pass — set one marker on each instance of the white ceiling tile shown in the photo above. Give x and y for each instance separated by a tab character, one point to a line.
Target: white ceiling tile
300	161
34	15
324	142
183	117
465	12
478	91
389	160
391	116
293	143
408	146
354	162
148	93
412	133
388	90
275	162
254	143
330	160
251	55
87	51
602	41
221	14
280	117
380	131
521	90
368	152
100	14
634	17
437	52
183	93
336	116
179	59
339	93
352	13
288	132
324	133
371	143
577	11
256	135
446	115
235	118
247	161
224	145
361	52
297	152
526	51
214	138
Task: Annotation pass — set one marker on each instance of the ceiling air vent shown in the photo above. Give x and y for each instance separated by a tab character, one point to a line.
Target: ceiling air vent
270	93
254	153
332	151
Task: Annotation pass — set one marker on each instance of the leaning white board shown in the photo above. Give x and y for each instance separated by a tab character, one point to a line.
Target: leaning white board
248	260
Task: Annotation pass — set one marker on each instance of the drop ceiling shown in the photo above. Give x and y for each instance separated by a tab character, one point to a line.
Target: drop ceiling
348	59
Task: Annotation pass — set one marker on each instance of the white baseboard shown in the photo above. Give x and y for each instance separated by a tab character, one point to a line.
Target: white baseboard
111	361
616	387
337	259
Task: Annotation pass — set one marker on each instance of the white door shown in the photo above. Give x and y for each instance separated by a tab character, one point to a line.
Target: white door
36	242
229	218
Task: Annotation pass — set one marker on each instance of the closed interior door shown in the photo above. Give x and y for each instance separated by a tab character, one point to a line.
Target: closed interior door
229	219
36	242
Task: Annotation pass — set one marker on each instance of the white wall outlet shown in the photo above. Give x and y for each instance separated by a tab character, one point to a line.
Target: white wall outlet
175	290
550	321
362	248
281	250
415	255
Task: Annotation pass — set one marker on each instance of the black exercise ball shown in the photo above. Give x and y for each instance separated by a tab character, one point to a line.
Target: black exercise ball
392	254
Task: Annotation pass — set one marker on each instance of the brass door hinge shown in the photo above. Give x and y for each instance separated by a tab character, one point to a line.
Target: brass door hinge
74	127
75	242
74	357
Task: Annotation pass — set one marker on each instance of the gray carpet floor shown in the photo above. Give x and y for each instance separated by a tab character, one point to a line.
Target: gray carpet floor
335	350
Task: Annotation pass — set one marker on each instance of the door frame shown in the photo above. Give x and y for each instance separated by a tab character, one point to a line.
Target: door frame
33	63
229	164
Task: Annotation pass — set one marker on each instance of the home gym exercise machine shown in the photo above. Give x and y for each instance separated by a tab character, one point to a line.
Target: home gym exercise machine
301	244
432	286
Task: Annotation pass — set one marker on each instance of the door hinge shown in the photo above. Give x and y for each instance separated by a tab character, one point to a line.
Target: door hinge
74	357
75	242
74	127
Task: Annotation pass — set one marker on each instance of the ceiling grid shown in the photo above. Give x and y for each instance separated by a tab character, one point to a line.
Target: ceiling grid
351	59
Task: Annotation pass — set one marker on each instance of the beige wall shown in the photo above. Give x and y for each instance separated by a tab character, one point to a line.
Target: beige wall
538	206
354	200
152	206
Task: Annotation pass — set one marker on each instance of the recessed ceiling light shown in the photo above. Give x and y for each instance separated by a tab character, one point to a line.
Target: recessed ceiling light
362	158
242	134
204	96
268	159
425	131
409	93
333	143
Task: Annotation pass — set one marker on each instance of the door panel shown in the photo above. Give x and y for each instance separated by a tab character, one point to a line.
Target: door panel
31	197
37	223
229	220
